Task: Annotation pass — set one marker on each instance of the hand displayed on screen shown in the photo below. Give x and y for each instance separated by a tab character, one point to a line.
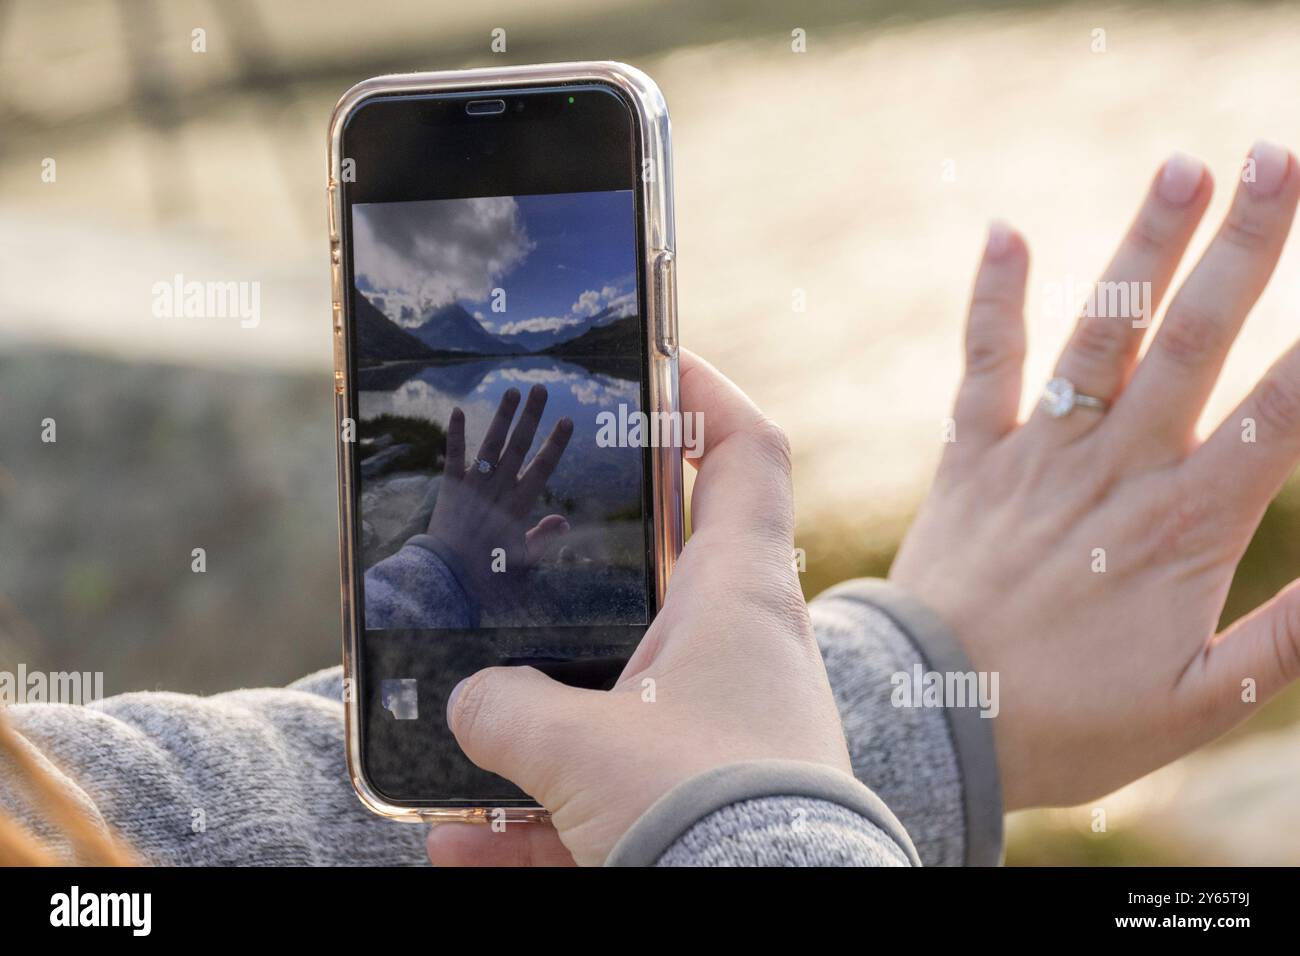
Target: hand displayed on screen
482	512
1086	555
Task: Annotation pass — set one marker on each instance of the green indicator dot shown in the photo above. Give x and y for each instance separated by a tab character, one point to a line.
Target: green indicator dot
570	99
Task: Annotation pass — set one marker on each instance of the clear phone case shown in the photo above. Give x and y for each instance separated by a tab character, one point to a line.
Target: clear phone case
656	188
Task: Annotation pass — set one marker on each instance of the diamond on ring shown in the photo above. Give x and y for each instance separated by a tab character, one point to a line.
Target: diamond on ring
484	466
1060	398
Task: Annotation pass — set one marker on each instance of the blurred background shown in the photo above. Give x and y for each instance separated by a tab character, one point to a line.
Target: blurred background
859	174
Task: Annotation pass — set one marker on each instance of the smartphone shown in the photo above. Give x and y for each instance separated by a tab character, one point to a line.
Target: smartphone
504	320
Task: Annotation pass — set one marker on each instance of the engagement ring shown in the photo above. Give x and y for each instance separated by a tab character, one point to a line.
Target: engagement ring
1060	398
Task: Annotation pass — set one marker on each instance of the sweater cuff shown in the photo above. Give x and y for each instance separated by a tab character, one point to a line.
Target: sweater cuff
677	811
972	734
454	566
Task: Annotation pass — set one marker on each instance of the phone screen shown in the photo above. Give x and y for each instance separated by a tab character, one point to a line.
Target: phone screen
498	358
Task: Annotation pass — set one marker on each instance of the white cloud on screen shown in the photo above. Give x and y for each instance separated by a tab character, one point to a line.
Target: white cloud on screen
594	301
418	256
538	324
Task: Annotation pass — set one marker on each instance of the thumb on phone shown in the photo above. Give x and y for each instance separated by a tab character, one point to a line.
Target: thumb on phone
519	723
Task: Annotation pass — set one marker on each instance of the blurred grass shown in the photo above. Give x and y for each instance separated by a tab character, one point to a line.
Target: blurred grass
1270	563
1037	841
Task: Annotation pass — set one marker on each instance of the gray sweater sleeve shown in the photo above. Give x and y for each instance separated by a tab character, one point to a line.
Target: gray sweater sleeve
258	776
767	813
419	586
250	777
935	767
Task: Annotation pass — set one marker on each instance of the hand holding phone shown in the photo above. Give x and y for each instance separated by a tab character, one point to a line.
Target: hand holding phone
729	671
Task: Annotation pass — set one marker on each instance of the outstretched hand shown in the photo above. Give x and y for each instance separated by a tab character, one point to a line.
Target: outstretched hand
1087	557
485	506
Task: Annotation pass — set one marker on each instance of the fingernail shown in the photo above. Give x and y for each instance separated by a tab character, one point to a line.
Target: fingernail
1265	169
451	700
999	242
1180	179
